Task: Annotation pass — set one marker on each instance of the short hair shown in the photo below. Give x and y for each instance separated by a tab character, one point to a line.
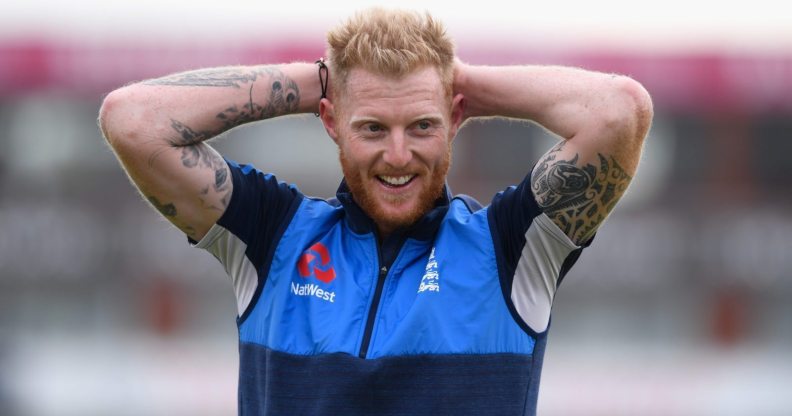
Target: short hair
390	42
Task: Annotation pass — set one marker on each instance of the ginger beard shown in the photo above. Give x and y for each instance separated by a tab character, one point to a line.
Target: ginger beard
365	198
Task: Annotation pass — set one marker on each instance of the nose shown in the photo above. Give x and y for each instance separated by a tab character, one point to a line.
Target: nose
397	154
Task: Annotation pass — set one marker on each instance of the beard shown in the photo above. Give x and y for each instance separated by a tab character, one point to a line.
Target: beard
368	202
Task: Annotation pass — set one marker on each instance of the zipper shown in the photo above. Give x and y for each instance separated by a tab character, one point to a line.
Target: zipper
383	273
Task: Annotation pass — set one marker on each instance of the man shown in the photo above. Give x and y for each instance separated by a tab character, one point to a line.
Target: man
394	297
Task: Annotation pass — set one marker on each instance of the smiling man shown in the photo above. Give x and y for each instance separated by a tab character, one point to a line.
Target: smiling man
395	297
394	138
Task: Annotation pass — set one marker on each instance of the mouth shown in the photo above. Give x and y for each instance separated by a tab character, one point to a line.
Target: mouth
396	181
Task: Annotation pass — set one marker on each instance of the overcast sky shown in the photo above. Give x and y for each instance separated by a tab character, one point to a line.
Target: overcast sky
667	24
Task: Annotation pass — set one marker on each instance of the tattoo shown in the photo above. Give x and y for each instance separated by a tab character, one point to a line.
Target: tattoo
211	77
194	151
578	198
221	177
284	94
168	210
283	98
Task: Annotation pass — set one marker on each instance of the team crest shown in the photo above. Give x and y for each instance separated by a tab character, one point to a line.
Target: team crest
430	282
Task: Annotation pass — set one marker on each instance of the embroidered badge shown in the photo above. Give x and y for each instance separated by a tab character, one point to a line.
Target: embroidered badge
430	282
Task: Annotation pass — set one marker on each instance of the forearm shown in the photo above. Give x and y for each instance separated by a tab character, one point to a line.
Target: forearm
189	107
566	101
157	128
603	119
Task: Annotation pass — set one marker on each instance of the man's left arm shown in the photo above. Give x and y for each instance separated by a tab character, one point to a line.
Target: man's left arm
602	119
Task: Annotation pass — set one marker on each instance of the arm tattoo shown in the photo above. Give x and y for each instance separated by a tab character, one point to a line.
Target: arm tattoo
578	198
284	94
283	98
168	210
195	153
211	77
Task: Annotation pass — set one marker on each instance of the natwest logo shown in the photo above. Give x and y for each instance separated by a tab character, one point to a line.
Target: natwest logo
316	261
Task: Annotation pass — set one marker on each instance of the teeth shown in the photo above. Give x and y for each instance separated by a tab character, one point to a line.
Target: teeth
396	180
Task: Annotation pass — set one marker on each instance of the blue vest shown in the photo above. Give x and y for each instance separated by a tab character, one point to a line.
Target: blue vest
447	317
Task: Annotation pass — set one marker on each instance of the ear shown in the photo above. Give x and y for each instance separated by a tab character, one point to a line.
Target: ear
458	104
328	116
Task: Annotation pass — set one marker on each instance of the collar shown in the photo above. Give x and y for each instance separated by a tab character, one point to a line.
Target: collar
423	229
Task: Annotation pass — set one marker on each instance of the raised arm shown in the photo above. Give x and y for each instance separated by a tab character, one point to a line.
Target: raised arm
603	119
158	130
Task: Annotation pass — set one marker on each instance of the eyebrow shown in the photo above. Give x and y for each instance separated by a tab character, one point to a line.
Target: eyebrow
363	120
434	117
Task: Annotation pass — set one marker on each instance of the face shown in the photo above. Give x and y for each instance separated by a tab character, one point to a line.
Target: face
394	137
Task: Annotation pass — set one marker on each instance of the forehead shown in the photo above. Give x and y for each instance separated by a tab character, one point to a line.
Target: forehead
370	94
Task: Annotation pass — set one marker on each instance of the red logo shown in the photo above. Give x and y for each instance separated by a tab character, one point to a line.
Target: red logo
316	261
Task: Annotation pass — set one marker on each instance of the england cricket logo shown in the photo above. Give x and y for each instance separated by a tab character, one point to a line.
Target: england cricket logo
430	282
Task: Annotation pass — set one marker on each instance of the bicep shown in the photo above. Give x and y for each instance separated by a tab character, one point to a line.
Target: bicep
182	177
579	181
578	189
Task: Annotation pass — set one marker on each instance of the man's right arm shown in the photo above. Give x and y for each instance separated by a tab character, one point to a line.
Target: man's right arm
157	128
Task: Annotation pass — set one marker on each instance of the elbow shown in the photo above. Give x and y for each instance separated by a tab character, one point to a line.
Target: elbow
109	119
633	108
117	116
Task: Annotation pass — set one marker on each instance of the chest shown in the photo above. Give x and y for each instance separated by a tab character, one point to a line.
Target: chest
330	291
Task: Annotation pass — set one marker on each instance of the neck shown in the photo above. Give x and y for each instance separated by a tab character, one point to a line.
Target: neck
384	231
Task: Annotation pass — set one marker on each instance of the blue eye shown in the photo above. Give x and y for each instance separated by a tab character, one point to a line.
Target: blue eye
374	128
424	125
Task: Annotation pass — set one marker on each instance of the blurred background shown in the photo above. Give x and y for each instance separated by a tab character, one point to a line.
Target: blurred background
683	305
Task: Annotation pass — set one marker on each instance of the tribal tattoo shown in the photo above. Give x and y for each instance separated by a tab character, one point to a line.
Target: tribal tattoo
578	198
